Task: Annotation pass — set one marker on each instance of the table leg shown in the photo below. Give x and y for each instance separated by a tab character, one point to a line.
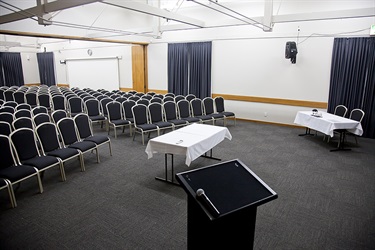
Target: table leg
165	179
340	146
210	156
307	132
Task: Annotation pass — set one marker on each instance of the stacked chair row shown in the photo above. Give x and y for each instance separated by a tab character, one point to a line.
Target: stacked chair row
26	152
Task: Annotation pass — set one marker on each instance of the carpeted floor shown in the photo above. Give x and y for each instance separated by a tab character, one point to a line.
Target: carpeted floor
326	200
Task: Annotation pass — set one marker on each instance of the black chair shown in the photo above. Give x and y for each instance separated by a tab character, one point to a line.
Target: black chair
68	131
103	105
157	117
12	104
92	108
7	109
58	102
141	121
8	95
134	98
75	106
39	109
23	122
170	112
127	109
58	115
156	99
31	99
22	113
209	109
41	118
23	106
27	153
183	108
196	106
143	101
168	99
12	172
116	117
219	106
121	99
6	117
148	97
44	100
50	145
19	97
340	110
5	128
178	98
158	96
169	94
84	128
356	115
190	97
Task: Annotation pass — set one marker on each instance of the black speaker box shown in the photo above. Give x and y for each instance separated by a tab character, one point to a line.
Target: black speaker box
290	50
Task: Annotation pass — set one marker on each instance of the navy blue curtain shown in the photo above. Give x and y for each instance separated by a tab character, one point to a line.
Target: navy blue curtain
189	69
200	69
178	68
11	69
46	64
352	81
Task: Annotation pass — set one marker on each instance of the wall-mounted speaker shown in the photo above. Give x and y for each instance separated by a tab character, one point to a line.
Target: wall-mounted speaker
291	51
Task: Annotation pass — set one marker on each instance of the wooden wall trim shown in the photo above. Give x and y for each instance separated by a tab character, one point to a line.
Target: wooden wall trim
278	101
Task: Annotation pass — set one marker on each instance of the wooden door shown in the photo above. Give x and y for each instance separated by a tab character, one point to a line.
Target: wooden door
139	68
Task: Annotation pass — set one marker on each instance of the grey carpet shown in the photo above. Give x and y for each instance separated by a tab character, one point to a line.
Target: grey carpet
326	199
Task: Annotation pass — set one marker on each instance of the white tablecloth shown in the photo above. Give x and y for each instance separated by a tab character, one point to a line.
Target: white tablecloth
327	123
192	141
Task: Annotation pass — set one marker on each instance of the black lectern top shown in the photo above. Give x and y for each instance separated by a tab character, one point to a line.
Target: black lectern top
228	187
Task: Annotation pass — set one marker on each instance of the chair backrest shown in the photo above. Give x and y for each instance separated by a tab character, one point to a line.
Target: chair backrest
68	131
140	114
143	101
103	105
58	102
58	115
48	136
178	98
156	112
208	105
12	104
83	125
41	118
190	97
7	157
219	104
7	109
8	95
169	94
168	98
19	97
23	122
134	98
23	106
121	99
159	96
127	105
5	128
340	110
183	108
44	100
39	109
357	115
170	110
148	97
92	107
31	98
22	113
114	111
6	117
156	99
196	107
24	143
75	105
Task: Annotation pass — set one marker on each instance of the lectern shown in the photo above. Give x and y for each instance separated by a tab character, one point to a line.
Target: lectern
222	205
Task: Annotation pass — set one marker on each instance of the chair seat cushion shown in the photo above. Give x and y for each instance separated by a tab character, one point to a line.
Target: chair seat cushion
205	117
227	113
97	139
177	122
120	122
83	146
16	173
217	116
191	119
97	118
147	127
41	162
64	153
163	124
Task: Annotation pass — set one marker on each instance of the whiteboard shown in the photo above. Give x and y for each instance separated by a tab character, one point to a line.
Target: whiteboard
94	73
